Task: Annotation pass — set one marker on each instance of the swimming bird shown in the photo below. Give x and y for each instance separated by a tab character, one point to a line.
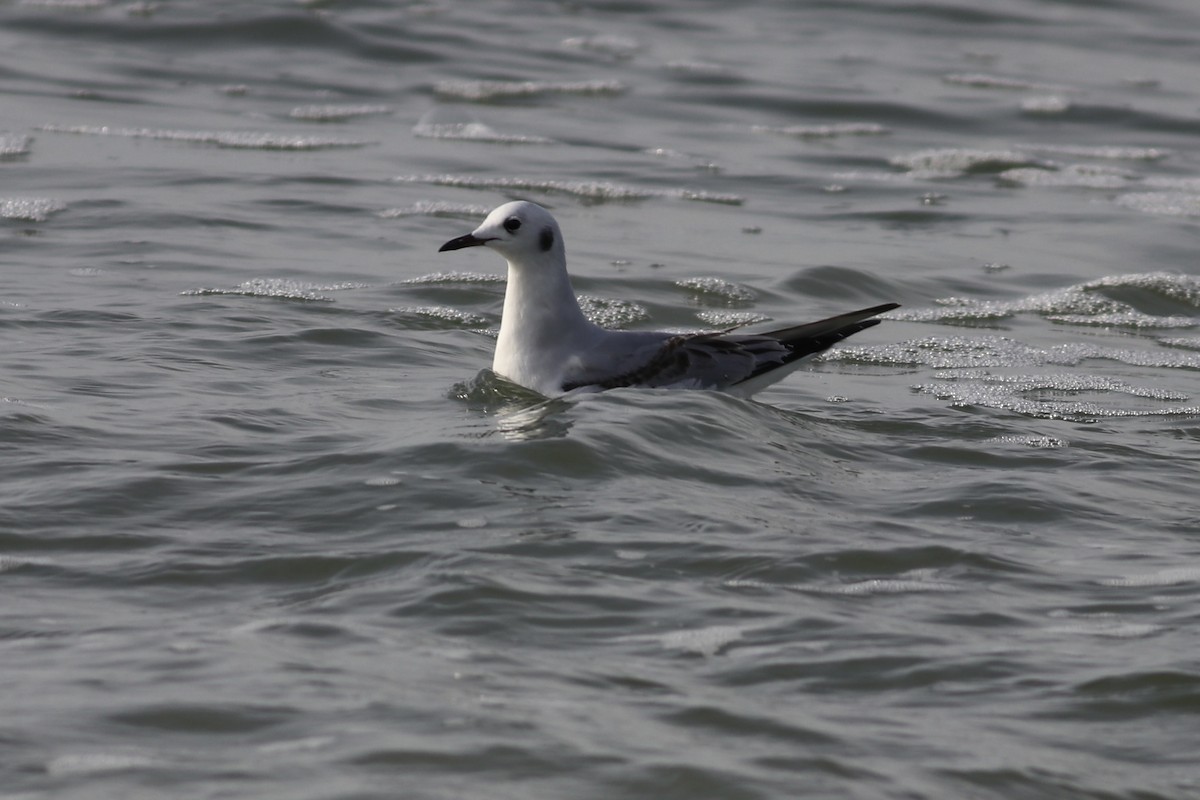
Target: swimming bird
547	344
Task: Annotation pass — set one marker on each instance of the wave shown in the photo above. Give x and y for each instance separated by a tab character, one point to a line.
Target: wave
1086	303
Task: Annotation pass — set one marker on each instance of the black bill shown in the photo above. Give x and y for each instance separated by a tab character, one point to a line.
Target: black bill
470	240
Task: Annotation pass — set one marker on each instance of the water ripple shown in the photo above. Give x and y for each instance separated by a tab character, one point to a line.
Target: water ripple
586	190
237	140
825	131
979	80
437	208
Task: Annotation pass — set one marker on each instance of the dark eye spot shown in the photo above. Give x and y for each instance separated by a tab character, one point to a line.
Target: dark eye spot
511	224
547	239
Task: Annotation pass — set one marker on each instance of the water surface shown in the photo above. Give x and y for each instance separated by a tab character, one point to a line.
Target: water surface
268	528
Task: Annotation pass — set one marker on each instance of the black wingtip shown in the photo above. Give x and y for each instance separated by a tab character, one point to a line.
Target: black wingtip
815	337
879	309
833	323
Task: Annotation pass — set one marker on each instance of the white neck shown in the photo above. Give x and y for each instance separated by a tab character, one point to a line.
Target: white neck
541	320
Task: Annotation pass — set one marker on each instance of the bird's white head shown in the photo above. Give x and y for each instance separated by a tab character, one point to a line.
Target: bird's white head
522	232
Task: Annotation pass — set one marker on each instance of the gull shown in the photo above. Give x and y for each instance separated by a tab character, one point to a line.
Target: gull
547	344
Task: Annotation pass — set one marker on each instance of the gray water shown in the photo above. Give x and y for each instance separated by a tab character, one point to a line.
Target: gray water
269	529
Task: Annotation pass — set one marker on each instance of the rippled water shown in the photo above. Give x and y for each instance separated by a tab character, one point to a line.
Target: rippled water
267	529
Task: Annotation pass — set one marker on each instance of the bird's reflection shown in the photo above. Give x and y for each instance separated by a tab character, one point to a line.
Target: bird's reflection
543	420
518	413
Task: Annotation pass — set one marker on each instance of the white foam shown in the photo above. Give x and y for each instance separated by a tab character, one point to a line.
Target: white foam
718	287
1127	319
1085	176
14	145
1107	152
979	80
879	176
243	140
9	563
442	314
588	190
1082	303
435	208
703	641
74	764
29	209
605	44
1175	204
964	367
609	313
1047	104
337	113
961	352
825	131
1182	183
1051	396
68	5
1185	342
751	583
279	288
913	581
953	161
888	586
306	744
499	90
453	278
383	480
1172	576
1064	383
1107	626
1036	442
473	132
732	319
1185	288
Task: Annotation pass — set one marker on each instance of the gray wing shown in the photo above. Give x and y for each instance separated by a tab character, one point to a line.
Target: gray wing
716	360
